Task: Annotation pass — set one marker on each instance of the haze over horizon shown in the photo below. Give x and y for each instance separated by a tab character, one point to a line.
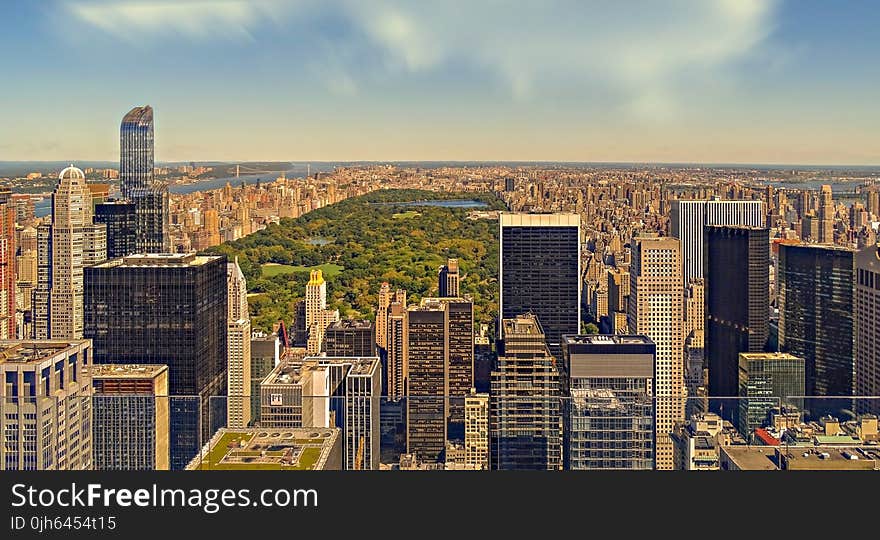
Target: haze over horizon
709	82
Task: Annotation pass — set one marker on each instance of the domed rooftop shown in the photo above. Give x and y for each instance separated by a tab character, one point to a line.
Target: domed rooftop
72	173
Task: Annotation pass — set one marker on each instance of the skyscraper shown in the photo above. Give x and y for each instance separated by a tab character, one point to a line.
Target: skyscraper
525	423
149	196
265	355
45	405
398	346
318	317
476	430
816	309
238	347
166	309
540	272
655	310
120	217
385	297
826	215
426	380
767	380
363	388
609	410
350	337
7	265
737	260
459	330
131	414
687	219
448	278
866	303
69	244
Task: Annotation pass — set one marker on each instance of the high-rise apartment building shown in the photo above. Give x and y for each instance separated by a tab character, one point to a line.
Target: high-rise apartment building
767	380
688	218
150	197
167	309
238	349
694	307
525	422
398	346
45	405
826	215
426	380
540	272
866	303
449	279
71	243
350	337
476	431
7	265
609	411
737	260
385	298
815	299
655	311
318	317
131	417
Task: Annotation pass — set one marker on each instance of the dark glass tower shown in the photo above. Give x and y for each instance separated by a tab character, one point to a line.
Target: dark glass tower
540	272
121	221
426	381
350	338
736	270
171	309
816	319
138	185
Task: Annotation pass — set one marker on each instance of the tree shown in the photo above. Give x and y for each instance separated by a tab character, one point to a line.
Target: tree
590	328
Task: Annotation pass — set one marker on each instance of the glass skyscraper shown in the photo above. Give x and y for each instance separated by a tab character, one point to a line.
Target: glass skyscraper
138	185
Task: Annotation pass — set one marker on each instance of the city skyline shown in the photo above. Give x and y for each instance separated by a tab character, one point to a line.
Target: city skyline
709	82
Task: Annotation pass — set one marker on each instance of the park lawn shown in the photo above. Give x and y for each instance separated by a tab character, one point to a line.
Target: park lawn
406	215
273	269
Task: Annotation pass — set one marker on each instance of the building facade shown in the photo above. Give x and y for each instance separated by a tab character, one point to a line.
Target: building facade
866	303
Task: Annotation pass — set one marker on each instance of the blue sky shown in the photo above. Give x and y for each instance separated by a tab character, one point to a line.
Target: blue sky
718	81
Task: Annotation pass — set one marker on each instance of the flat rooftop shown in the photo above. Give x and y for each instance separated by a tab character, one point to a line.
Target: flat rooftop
26	351
126	371
157	260
606	339
752	458
289	372
351	324
292	449
768	356
522	325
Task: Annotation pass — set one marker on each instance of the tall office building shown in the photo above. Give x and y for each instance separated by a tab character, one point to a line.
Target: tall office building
7	265
150	197
350	337
767	380
688	218
737	293
826	215
459	360
318	317
238	349
448	278
398	346
476	431
45	405
816	310
385	297
265	355
121	221
363	388
866	303
655	310
525	423
166	309
426	380
131	417
540	272
72	242
609	410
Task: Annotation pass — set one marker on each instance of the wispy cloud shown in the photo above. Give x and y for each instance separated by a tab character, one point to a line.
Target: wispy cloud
639	51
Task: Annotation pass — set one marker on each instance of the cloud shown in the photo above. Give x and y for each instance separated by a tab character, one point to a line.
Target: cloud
643	53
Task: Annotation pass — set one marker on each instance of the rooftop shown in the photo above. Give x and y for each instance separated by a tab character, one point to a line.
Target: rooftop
752	458
290	449
126	371
158	260
23	352
351	323
768	356
523	325
604	339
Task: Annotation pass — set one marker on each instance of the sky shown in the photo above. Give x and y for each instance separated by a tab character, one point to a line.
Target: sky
711	81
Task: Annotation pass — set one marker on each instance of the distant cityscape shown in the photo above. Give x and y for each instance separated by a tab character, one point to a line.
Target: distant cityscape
580	317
